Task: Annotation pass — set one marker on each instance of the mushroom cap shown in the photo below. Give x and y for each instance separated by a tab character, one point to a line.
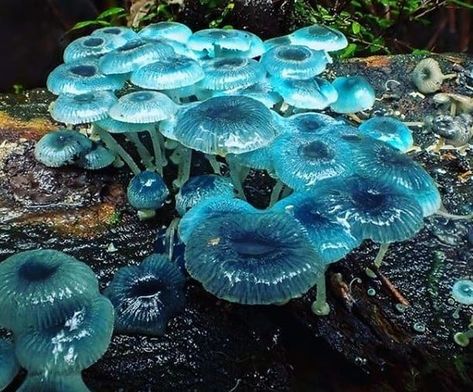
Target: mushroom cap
319	37
53	382
331	236
259	159
9	367
462	291
208	208
313	93
207	39
90	46
82	108
303	160
80	77
375	159
227	124
125	34
146	296
147	191
354	94
115	126
253	258
389	130
143	107
38	287
198	188
61	147
230	73
294	62
277	41
73	343
427	76
97	158
133	55
374	209
181	49
169	73
173	31
309	123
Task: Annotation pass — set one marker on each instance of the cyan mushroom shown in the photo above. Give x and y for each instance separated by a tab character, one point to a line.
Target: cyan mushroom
90	46
97	158
309	122
277	41
388	130
319	37
147	192
124	34
355	94
173	31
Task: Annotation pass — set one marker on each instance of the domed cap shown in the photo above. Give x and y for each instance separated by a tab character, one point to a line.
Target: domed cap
61	147
259	159
309	123
9	367
147	191
198	188
329	235
319	38
82	108
168	30
81	77
74	342
114	126
124	34
462	291
170	73
261	91
313	93
277	41
388	130
231	73
222	125
378	160
294	62
208	39
147	296
38	287
53	383
143	107
90	46
303	160
97	158
134	55
253	258
210	207
373	209
354	94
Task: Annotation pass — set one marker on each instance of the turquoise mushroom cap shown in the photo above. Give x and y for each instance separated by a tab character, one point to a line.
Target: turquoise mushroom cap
82	108
389	130
38	287
208	40
143	107
80	77
9	366
319	37
61	147
97	158
309	123
261	91
90	46
115	126
173	31
123	34
277	41
72	343
147	191
169	73
198	188
354	94
294	62
54	383
146	296
462	291
253	258
226	124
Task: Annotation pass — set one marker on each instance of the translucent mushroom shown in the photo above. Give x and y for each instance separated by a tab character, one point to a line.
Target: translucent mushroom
146	296
463	338
173	31
124	34
252	258
309	123
319	37
97	158
355	94
388	130
90	46
54	383
218	42
428	77
61	147
462	292
277	41
9	366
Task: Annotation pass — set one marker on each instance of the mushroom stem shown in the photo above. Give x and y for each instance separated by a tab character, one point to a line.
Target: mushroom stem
449	76
146	214
158	156
235	175
113	146
169	237
378	261
447	215
183	157
320	307
214	163
143	152
277	189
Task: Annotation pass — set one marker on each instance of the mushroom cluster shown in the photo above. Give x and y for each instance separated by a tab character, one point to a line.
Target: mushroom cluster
243	104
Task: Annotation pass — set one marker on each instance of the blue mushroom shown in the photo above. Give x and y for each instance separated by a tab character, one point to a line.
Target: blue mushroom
319	37
90	46
262	91
9	367
462	291
215	41
173	31
199	188
147	192
54	383
277	41
82	108
294	62
309	123
73	342
133	55
80	77
354	94
123	34
38	287
147	296
252	258
61	147
388	130
97	158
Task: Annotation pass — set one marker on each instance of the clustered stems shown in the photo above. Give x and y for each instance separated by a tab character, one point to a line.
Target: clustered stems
182	157
235	175
158	156
143	152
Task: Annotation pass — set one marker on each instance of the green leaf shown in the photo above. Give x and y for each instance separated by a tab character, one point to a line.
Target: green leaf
113	11
87	23
355	27
349	51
